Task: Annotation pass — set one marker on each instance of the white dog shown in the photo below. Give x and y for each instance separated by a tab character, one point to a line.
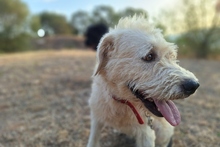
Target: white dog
137	75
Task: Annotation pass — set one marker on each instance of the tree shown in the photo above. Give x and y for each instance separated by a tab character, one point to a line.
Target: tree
101	14
35	24
132	11
13	25
80	20
197	23
54	23
105	15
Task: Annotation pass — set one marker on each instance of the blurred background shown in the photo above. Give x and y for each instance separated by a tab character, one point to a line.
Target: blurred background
47	55
54	24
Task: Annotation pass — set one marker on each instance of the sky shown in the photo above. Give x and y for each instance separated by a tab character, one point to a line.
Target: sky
68	7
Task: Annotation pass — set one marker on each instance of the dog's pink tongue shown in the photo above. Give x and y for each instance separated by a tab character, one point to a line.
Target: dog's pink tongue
170	112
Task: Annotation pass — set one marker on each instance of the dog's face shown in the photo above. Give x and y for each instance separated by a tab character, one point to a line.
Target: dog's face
142	65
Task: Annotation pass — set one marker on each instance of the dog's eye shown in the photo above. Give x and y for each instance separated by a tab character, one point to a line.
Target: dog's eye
149	57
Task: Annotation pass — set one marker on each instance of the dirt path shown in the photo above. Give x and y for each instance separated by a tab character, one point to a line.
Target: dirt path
43	102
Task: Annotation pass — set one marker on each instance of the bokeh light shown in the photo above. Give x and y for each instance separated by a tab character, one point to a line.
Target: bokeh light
41	33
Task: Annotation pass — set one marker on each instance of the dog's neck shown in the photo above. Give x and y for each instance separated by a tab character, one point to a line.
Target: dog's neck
140	120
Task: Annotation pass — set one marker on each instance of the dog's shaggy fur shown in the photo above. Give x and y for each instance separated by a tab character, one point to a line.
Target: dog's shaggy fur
137	65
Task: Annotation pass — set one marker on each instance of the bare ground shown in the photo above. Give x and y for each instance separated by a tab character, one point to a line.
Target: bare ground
43	102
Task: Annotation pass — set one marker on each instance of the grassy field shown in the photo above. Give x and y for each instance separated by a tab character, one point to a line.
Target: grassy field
43	102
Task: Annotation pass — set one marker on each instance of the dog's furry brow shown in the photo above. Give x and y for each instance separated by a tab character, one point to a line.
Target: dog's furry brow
138	23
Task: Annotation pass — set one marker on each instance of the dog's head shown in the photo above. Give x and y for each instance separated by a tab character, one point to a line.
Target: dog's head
140	64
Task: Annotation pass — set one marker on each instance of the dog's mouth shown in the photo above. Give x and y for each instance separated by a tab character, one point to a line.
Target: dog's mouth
160	108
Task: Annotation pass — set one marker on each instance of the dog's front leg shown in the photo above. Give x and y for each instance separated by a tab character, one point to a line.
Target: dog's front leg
164	132
145	137
95	133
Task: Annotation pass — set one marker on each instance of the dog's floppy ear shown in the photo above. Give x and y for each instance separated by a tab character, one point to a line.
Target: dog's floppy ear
105	46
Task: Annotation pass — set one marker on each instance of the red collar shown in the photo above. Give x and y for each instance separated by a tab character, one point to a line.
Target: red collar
140	120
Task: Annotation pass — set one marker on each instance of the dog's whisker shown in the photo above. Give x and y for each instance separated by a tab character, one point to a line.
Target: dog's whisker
150	99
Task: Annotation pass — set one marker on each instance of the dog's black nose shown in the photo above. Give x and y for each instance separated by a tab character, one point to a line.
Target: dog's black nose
190	86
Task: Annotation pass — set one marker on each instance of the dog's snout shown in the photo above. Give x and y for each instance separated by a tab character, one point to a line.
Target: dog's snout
190	86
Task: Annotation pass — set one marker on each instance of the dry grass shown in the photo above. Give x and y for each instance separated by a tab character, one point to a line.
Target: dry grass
43	102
